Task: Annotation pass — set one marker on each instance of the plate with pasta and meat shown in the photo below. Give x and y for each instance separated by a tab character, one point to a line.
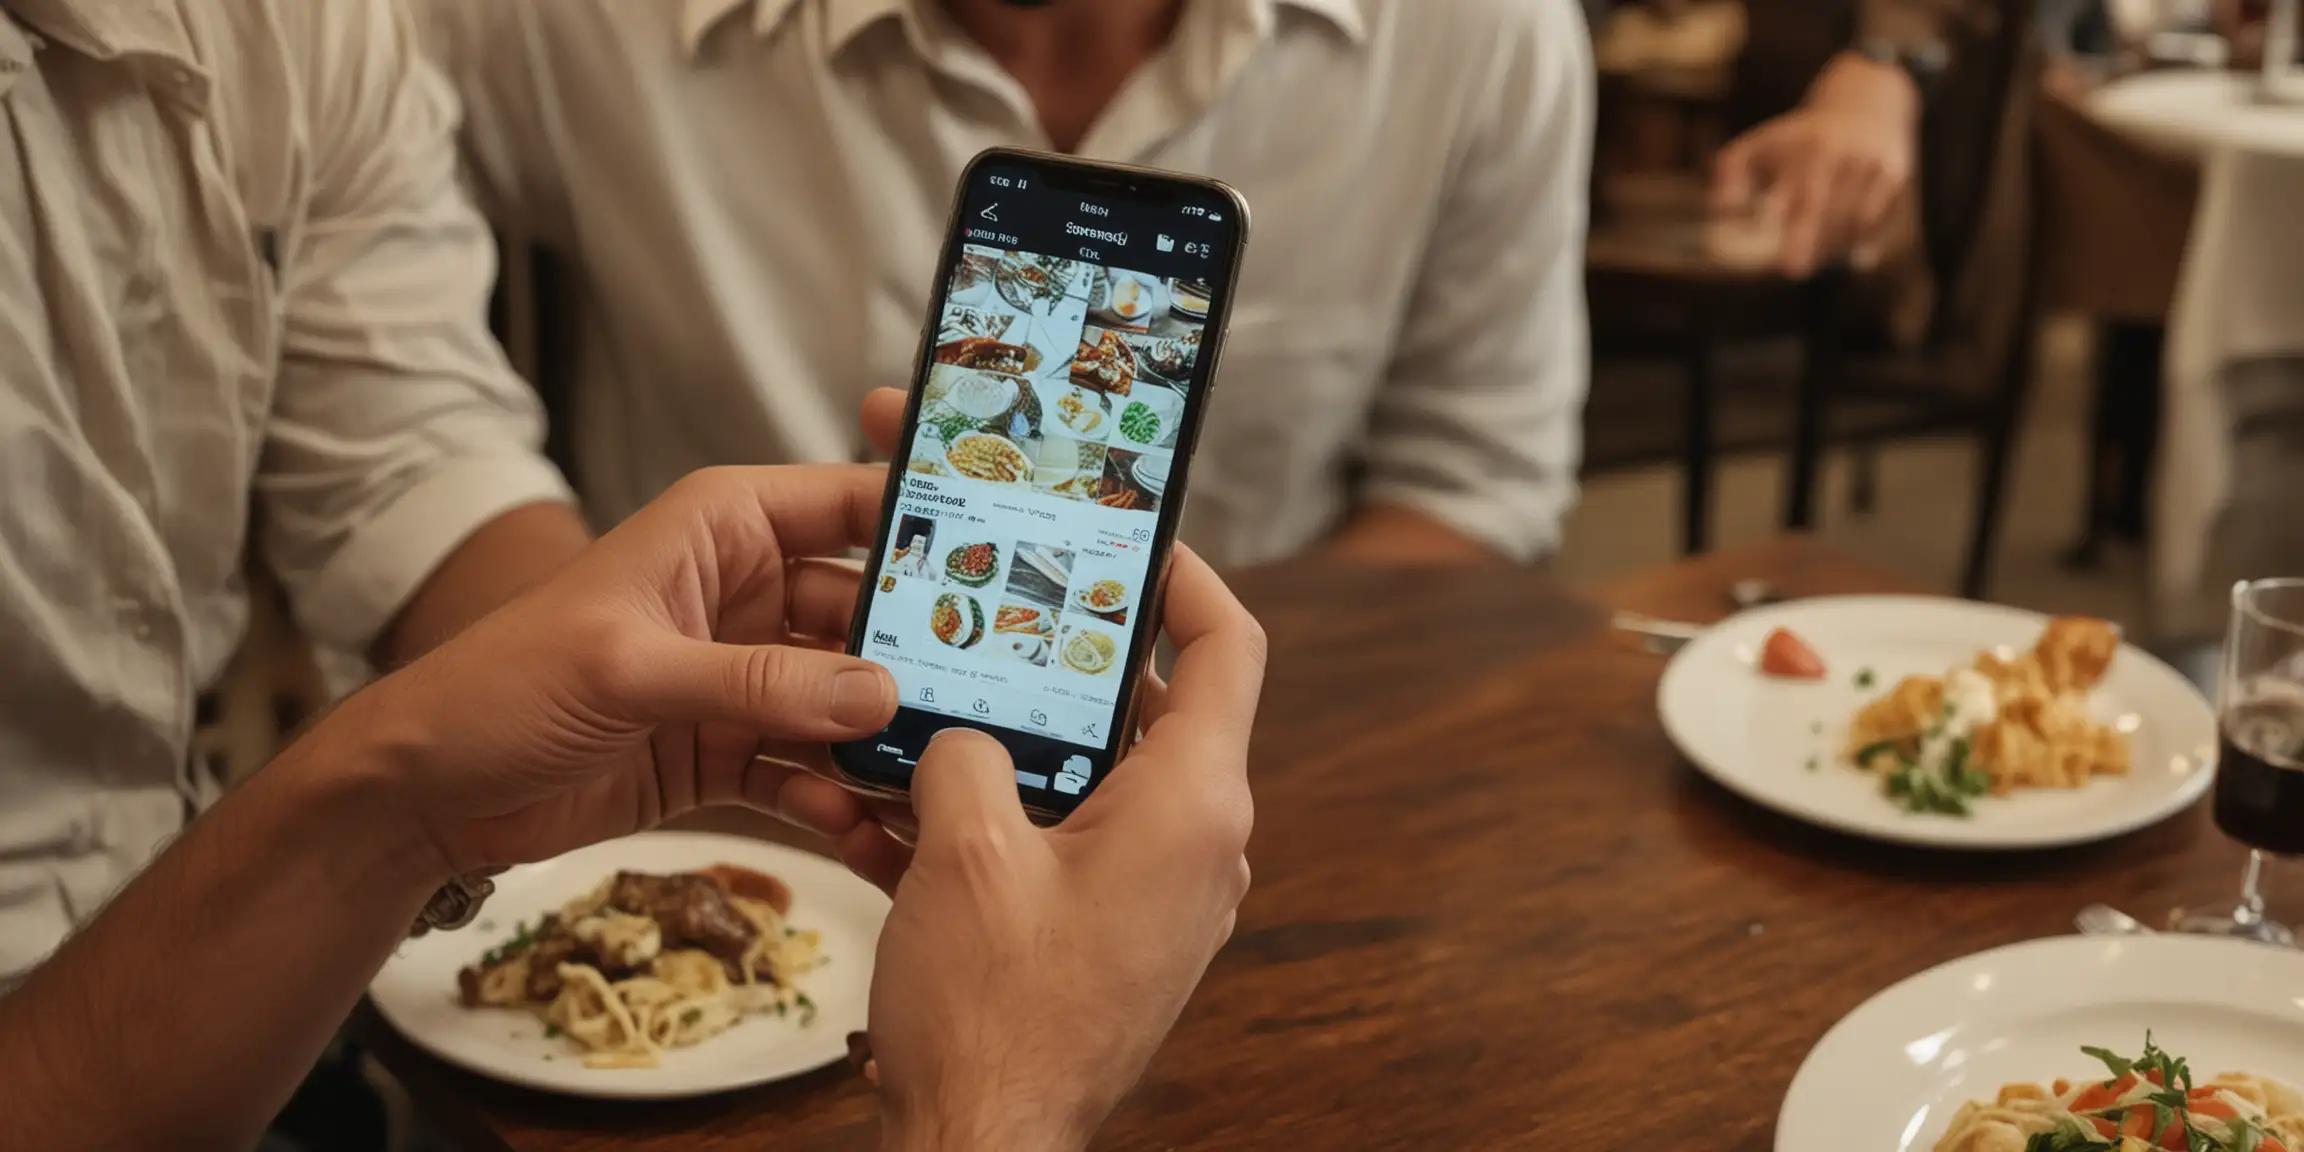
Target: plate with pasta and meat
662	965
2155	1043
1940	722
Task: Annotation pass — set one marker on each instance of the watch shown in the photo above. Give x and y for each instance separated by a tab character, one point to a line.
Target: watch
456	903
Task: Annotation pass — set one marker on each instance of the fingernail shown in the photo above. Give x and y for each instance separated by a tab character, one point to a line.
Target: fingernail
942	733
859	698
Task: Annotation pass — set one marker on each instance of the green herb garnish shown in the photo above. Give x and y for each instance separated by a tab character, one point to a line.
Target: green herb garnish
551	1031
521	941
1865	678
807	1009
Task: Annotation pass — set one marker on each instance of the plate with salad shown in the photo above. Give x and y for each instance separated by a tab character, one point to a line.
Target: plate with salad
2156	1043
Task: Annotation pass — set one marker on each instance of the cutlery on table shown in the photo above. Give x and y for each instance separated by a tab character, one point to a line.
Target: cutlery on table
2105	920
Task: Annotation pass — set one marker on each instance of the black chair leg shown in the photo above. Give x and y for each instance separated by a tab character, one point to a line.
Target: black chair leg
1864	479
2001	425
2087	554
1696	462
1819	377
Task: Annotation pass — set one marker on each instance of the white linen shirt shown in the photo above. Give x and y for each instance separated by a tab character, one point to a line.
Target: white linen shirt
754	192
234	259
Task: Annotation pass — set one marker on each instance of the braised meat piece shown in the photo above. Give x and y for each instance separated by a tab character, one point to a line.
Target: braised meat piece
546	949
693	912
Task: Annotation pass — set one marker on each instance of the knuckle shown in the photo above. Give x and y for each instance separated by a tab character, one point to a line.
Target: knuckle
979	852
608	654
764	676
1255	643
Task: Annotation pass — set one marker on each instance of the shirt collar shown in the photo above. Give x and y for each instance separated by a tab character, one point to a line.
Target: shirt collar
846	19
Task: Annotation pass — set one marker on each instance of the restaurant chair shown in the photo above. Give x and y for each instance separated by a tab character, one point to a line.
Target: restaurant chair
2115	217
1972	368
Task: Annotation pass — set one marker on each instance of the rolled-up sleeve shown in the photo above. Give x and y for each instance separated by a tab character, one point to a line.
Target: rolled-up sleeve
1479	421
398	428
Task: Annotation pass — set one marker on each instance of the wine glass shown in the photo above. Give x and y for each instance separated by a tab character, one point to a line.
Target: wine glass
2260	758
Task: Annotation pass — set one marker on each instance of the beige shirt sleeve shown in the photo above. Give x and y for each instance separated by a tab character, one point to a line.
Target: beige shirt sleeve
490	53
1479	422
398	428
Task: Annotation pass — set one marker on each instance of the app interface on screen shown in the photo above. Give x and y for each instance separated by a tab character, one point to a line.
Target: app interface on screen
1020	555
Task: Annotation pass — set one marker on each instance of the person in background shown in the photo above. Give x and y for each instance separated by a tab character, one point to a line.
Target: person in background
1840	162
238	283
753	194
1024	979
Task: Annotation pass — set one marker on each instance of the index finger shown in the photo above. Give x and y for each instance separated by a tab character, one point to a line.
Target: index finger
1219	673
813	509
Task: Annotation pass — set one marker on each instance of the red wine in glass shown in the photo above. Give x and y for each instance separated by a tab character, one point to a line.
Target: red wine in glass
2260	776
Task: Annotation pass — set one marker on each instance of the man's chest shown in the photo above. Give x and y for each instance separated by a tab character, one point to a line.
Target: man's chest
139	327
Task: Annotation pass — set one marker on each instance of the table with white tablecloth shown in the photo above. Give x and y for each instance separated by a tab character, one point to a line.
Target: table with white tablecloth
2236	334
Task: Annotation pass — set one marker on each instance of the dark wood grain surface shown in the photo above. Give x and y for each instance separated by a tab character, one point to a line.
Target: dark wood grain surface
1493	907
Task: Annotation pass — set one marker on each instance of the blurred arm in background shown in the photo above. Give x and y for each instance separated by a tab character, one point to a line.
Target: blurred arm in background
1474	440
1838	163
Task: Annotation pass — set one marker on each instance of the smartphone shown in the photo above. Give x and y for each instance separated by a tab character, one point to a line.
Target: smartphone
1066	363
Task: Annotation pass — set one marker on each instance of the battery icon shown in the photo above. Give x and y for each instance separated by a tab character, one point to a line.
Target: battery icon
1217	217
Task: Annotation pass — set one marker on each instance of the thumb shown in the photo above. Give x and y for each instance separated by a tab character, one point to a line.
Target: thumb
792	693
965	784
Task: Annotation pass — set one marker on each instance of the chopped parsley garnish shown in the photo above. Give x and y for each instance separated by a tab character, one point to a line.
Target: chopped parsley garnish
1814	763
551	1031
1865	678
521	941
807	1009
691	1016
1943	793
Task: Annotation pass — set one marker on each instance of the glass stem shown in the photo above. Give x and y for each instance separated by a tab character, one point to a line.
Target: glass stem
2251	910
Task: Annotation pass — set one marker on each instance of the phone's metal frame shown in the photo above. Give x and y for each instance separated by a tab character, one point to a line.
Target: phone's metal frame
1213	336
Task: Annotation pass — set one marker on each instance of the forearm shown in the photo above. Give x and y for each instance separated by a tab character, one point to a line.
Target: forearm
506	555
1390	534
187	1012
983	1120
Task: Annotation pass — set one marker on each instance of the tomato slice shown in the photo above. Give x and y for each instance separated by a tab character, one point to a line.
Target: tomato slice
1789	656
2102	1094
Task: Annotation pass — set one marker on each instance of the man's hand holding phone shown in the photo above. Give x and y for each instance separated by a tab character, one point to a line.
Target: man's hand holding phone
1027	975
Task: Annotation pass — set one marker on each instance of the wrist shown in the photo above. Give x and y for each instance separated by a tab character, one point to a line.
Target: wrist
1857	84
347	778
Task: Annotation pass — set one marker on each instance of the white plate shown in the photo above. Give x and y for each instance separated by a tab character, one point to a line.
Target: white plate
1756	734
416	991
1889	1076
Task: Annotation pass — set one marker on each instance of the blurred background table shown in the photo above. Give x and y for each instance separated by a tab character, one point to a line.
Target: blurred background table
1475	855
2236	331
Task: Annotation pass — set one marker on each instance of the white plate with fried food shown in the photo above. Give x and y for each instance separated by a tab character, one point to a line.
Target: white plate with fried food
1940	722
663	965
2074	1044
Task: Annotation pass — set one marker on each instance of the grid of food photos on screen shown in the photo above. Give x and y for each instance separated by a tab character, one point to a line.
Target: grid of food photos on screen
1023	534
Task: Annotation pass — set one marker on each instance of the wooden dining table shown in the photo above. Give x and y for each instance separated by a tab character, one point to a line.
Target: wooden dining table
1493	906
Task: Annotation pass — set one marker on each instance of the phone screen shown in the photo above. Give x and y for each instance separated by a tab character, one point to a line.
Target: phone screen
1073	342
